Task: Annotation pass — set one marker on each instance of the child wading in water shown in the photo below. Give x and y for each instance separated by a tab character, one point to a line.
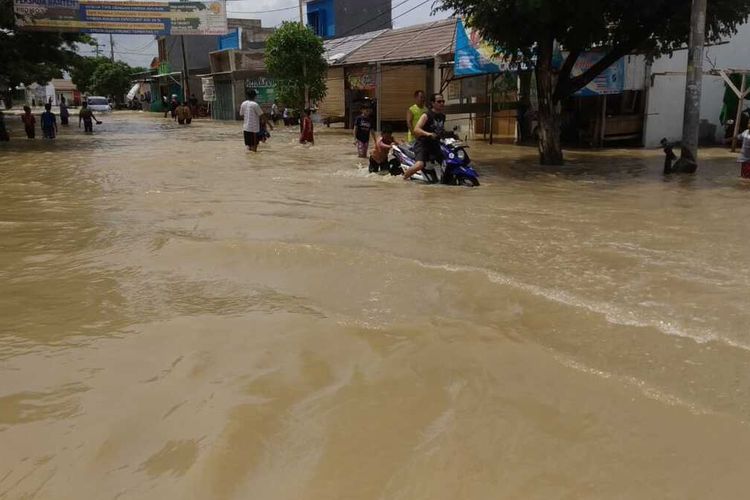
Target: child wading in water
379	155
28	122
362	131
306	134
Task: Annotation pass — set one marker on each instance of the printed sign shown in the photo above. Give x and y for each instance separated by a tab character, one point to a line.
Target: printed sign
150	18
609	81
209	91
362	80
474	56
264	87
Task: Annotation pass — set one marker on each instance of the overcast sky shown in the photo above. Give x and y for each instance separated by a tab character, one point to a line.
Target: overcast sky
139	50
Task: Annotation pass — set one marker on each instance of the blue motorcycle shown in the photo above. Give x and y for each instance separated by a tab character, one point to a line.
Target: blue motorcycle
455	169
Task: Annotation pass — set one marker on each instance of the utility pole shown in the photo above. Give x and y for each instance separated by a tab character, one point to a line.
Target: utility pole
694	77
97	50
185	72
111	48
301	15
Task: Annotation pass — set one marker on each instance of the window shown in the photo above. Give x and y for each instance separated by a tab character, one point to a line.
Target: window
316	19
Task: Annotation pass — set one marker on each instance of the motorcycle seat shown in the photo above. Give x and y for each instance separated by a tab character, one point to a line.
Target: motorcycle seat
409	152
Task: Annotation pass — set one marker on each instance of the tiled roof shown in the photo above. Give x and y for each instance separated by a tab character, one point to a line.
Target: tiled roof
61	84
413	43
338	48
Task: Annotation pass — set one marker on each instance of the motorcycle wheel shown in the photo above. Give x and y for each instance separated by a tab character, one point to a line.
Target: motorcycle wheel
467	181
394	167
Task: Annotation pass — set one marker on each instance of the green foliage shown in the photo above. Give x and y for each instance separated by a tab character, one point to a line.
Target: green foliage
111	78
82	72
621	26
294	58
98	75
27	57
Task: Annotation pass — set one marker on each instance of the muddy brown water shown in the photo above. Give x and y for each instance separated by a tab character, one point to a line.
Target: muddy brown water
182	319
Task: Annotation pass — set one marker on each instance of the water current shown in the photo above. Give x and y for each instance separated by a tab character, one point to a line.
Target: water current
180	318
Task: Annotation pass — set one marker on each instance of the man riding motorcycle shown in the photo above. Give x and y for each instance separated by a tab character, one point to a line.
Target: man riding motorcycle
428	130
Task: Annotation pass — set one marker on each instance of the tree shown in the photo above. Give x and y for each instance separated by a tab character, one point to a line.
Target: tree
529	29
27	57
112	78
82	72
294	59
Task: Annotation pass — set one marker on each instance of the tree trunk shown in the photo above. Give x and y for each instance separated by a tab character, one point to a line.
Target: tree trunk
524	105
550	149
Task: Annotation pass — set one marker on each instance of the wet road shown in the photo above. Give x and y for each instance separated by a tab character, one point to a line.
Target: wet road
182	319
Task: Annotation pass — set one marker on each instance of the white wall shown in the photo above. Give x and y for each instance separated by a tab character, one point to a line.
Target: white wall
666	97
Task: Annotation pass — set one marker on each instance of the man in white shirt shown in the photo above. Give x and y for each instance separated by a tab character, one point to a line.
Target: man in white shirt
252	114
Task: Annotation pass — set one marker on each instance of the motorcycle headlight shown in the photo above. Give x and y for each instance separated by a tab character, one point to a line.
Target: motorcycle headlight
451	155
461	154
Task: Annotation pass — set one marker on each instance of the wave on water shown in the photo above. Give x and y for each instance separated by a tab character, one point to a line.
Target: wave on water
611	313
645	389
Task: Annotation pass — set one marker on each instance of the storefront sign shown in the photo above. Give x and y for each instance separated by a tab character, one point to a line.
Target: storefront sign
209	91
363	79
264	87
474	56
609	81
151	18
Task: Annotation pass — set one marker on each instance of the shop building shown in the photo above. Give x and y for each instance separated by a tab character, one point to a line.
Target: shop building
384	69
245	37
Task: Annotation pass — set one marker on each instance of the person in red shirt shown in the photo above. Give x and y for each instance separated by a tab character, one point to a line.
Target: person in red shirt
28	122
306	134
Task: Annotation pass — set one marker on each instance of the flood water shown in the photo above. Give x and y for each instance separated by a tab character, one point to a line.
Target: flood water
182	319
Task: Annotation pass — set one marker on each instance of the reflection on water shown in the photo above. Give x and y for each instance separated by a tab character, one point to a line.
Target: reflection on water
183	319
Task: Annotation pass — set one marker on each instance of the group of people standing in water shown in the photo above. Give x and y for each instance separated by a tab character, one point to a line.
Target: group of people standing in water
425	126
48	121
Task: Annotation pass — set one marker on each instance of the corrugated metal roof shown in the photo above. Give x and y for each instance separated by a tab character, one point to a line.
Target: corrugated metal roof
338	48
413	43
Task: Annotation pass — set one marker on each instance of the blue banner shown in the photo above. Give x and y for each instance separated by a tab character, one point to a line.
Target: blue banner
609	81
204	17
474	56
471	59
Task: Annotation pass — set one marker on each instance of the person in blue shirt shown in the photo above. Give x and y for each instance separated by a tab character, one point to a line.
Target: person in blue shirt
49	122
362	130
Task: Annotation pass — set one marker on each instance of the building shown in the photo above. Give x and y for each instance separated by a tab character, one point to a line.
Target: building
341	18
65	89
665	84
53	91
385	68
244	35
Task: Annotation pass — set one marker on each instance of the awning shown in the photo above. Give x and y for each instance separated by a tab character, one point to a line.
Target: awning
170	75
133	91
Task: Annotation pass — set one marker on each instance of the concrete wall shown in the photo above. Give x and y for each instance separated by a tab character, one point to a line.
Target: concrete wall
197	47
352	15
666	96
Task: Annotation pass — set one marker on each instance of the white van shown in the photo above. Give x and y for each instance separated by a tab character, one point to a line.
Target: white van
99	104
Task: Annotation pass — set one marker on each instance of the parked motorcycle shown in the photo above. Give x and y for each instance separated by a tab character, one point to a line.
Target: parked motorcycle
455	169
